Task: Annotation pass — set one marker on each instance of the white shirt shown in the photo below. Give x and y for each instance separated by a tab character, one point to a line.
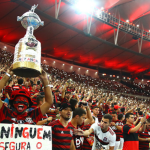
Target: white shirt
96	119
103	139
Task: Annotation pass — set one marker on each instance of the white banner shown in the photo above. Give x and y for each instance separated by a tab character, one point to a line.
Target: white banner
25	137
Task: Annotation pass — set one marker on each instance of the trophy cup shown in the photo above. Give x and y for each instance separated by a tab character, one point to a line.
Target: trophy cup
27	56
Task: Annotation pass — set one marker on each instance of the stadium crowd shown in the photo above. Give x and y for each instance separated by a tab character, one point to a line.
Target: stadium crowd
82	115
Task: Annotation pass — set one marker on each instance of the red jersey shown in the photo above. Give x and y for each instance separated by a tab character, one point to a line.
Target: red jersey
86	145
144	145
9	116
78	140
110	111
33	99
8	90
62	136
106	107
99	116
64	100
131	140
18	87
52	114
118	133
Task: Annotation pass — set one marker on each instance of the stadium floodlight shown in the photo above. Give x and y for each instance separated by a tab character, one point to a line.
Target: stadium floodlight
85	6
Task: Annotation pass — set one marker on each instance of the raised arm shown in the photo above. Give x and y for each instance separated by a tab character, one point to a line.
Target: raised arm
89	116
48	93
3	82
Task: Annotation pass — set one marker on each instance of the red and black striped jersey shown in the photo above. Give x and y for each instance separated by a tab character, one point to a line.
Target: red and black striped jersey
78	140
144	145
33	99
18	87
99	116
118	133
110	111
9	116
86	145
52	114
8	90
62	136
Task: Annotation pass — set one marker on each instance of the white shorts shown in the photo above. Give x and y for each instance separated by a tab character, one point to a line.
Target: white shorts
121	143
117	143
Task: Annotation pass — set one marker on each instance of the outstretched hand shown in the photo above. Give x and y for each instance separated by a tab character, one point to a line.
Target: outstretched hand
78	132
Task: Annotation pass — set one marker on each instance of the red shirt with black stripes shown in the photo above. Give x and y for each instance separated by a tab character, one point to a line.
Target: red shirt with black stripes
52	114
33	99
9	116
62	136
118	132
78	140
86	144
144	145
8	90
99	116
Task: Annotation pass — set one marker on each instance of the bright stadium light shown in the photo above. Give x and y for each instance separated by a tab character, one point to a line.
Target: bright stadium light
85	6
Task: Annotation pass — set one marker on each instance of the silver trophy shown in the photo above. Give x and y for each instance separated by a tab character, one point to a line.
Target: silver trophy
27	57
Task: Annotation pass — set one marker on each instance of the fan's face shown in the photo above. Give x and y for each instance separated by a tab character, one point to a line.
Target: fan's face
21	103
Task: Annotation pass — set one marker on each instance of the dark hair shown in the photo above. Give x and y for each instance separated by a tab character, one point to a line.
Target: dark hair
148	120
39	98
78	111
115	103
112	105
67	92
93	118
127	115
38	82
20	81
10	80
33	85
120	116
108	116
31	82
140	113
73	102
95	107
122	109
114	112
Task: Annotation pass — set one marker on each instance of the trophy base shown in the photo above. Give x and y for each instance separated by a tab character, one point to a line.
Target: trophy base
26	72
26	69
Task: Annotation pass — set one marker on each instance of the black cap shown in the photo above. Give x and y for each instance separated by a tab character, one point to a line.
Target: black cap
65	105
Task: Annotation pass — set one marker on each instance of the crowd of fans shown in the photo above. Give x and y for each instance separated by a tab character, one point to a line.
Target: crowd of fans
67	101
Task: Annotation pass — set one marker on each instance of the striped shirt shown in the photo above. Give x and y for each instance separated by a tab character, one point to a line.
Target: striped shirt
78	140
99	116
61	136
52	114
33	99
144	145
86	144
118	133
8	90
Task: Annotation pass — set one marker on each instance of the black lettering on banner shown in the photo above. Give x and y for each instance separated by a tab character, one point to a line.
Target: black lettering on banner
18	147
3	131
6	145
34	134
28	146
18	132
47	135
